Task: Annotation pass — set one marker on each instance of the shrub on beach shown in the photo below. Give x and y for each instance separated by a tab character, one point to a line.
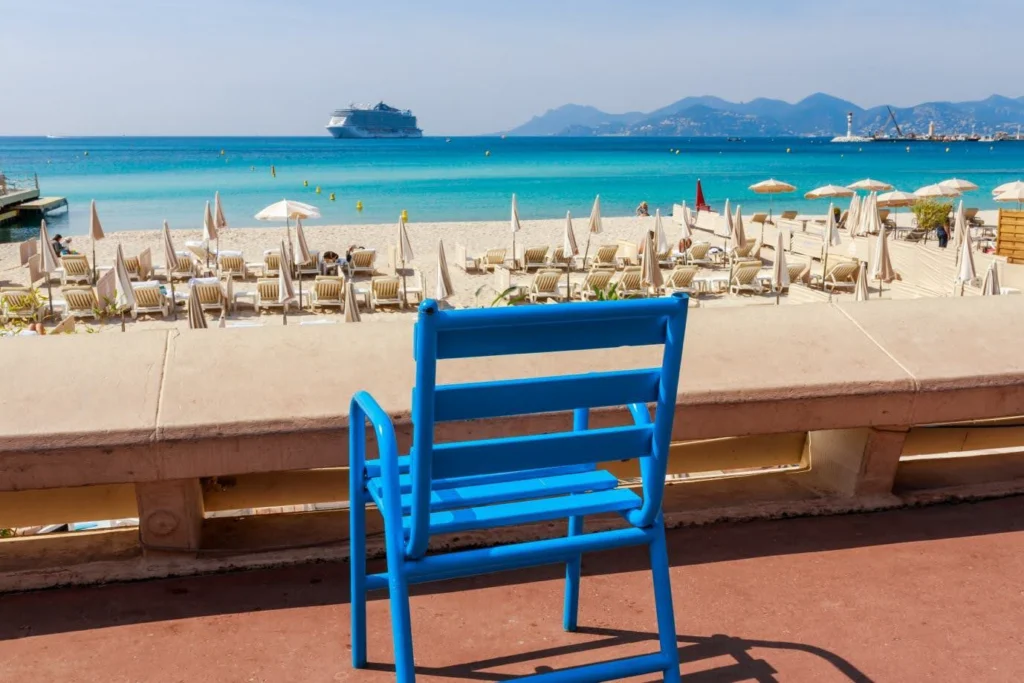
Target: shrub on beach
931	213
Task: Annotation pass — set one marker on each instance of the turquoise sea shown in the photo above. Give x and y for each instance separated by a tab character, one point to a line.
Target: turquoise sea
138	182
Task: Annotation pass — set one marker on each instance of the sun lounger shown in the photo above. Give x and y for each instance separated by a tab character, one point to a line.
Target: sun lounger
665	259
211	294
494	258
363	262
630	284
545	286
745	278
76	269
680	280
21	304
185	269
750	251
310	267
697	254
535	257
789	215
271	263
840	275
81	302
412	288
385	291
149	298
328	291
760	218
232	264
558	259
605	256
267	295
595	284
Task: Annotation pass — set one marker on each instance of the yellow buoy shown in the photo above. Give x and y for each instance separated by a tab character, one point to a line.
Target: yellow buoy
359	206
305	183
332	197
405	215
222	152
487	153
318	189
787	150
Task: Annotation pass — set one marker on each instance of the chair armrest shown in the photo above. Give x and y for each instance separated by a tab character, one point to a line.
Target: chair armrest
364	407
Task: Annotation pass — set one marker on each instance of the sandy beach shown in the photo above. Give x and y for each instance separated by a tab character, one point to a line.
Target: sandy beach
479	289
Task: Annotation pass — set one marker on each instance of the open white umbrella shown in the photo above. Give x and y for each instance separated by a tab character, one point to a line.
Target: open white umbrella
991	286
125	298
288	210
95	234
285	287
780	269
594	226
1011	195
49	262
302	255
209	231
772	187
351	305
171	259
934	191
861	290
196	318
966	272
881	268
870	185
514	226
444	288
659	233
569	248
895	200
1006	187
959	184
829	192
404	253
650	271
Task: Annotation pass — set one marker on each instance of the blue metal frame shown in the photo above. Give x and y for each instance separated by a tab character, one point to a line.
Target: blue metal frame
441	487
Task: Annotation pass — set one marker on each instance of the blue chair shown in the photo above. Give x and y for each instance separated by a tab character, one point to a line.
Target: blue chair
442	488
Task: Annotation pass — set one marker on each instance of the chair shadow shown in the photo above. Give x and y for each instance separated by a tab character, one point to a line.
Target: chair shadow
745	666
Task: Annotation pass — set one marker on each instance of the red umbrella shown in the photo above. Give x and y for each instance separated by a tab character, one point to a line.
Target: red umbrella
701	204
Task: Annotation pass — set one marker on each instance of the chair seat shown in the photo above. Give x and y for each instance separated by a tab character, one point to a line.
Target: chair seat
497	502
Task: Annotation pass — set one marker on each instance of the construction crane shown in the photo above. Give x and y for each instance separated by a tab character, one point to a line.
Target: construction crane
892	116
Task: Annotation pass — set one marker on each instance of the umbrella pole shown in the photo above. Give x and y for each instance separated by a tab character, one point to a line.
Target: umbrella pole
49	292
513	255
95	275
300	289
405	292
174	302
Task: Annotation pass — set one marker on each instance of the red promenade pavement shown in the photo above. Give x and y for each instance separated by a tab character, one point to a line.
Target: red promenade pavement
932	594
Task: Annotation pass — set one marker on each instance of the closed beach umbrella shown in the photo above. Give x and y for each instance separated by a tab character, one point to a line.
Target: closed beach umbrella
772	187
959	228
405	254
738	235
513	225
727	220
1014	194
351	305
861	290
95	233
651	273
285	287
302	255
853	215
991	286
780	269
209	231
49	260
171	259
966	273
881	269
569	248
933	191
444	288
594	226
959	184
125	298
219	221
870	223
829	191
196	319
870	185
686	233
700	202
659	233
1006	187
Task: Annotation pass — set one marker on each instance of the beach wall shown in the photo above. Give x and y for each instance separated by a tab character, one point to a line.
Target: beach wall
781	411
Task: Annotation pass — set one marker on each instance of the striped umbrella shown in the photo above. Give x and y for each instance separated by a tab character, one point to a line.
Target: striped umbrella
594	226
405	253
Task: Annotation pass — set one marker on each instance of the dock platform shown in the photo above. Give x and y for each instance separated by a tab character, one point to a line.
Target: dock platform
18	204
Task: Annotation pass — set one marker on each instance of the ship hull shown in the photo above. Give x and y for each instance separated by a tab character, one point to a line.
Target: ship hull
356	132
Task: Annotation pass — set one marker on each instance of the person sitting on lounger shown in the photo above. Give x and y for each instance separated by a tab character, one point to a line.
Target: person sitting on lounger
642	210
61	246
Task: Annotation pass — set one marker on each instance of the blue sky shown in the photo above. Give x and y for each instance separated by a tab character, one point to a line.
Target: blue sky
278	67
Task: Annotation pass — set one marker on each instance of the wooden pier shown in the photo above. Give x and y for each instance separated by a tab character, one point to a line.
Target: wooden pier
21	203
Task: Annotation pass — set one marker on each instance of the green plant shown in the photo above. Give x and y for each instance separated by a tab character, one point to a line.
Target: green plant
609	293
6	533
931	213
510	297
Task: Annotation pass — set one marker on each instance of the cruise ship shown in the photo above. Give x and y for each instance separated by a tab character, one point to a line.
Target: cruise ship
378	121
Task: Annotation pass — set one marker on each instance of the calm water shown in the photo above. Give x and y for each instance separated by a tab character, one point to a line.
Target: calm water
138	182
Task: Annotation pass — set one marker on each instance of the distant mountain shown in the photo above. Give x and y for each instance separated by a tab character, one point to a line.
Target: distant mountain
819	115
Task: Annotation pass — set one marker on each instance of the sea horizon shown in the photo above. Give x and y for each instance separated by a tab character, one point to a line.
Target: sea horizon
140	181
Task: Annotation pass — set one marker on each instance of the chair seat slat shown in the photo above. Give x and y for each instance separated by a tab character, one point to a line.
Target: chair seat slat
544	394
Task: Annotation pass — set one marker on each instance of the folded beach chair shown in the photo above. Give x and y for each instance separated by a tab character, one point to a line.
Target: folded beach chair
76	269
680	280
630	284
149	298
605	256
840	275
545	286
472	486
745	279
494	258
385	291
233	263
21	304
81	302
328	291
363	262
211	294
697	254
267	294
595	282
558	259
535	257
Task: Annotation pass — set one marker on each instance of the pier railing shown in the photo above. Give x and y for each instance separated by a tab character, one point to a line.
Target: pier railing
229	446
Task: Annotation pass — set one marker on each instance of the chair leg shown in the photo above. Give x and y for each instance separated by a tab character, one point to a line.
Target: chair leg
357	563
663	602
401	621
572	580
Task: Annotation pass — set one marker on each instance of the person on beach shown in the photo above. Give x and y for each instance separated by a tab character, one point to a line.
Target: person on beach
61	246
642	210
942	232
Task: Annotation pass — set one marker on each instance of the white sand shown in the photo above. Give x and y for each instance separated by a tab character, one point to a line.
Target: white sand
471	289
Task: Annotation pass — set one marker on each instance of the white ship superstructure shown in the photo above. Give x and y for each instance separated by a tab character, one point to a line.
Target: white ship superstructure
377	121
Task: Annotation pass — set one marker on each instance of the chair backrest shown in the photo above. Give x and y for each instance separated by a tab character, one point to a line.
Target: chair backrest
883	214
327	290
209	293
970	213
598	279
469	333
267	290
789	215
232	263
558	256
845	271
386	287
546	280
535	255
759	218
75	264
17	300
148	297
80	299
364	258
272	261
699	250
796	271
745	273
631	279
495	256
682	276
606	253
131	264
